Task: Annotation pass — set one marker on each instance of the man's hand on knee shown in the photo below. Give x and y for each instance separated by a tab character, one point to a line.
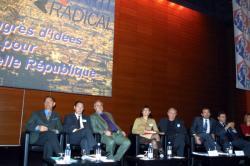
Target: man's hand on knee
197	140
107	133
123	133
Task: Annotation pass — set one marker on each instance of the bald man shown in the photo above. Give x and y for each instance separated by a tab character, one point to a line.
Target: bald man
175	131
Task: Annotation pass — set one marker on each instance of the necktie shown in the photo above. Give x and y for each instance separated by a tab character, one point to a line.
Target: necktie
78	123
48	115
112	127
205	126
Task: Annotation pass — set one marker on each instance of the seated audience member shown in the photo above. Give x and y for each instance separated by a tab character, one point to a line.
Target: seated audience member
203	129
226	133
78	126
245	128
147	129
44	126
174	130
111	134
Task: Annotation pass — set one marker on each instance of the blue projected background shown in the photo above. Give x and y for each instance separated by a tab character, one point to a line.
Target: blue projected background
57	45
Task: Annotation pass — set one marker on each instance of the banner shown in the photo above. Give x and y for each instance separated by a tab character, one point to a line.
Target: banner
57	45
241	14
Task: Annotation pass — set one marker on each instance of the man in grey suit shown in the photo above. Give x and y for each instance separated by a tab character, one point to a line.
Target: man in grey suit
203	129
174	130
44	125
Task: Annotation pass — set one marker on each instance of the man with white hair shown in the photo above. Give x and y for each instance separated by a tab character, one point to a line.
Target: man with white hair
174	130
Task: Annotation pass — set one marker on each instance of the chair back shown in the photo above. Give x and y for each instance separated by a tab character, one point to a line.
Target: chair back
34	147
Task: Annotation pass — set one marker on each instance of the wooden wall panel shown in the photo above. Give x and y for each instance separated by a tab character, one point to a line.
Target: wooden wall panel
10	116
164	56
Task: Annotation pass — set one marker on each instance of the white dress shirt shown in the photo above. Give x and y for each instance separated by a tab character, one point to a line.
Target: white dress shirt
208	125
81	122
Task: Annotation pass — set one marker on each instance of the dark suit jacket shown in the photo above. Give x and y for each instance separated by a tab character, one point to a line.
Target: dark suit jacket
70	123
197	126
223	135
39	118
179	126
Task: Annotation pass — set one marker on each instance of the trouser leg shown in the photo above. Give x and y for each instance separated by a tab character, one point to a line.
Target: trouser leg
123	143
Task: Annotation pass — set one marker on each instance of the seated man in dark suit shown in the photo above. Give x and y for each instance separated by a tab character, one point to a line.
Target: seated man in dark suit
111	134
226	133
203	129
174	130
44	126
79	128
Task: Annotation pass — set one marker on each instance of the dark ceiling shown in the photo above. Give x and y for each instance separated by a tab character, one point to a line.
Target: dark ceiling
220	9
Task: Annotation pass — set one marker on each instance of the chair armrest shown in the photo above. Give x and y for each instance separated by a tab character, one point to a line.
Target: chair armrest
164	141
163	137
26	148
137	143
66	138
61	136
192	141
27	139
194	145
162	133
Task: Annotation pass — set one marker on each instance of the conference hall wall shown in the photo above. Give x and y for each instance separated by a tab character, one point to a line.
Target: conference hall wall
165	55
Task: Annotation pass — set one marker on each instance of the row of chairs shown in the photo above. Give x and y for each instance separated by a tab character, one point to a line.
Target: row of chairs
190	146
136	148
63	140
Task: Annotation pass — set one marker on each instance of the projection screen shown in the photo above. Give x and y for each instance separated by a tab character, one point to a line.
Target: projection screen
57	45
